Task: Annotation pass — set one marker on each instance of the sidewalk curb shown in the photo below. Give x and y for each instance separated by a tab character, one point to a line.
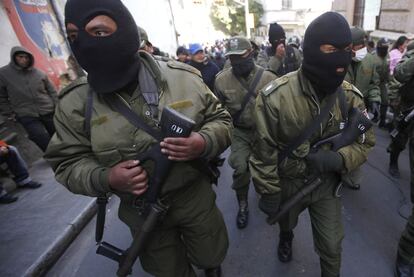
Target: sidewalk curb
58	247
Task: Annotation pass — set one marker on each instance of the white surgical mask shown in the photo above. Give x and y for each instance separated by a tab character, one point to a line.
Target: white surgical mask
360	54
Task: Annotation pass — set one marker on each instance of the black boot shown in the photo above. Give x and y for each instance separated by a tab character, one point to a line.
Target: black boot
243	213
393	169
403	269
213	272
284	250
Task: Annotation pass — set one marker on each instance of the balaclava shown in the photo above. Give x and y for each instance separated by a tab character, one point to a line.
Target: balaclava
111	62
321	68
242	66
276	35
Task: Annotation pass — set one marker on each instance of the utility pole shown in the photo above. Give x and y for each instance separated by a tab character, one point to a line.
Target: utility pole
245	4
246	17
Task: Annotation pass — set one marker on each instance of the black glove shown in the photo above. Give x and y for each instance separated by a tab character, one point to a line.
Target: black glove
325	161
269	203
375	110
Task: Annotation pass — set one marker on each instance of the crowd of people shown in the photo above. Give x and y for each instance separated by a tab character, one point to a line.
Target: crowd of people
270	104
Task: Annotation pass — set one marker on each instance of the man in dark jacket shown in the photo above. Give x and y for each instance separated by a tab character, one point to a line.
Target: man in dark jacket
27	93
207	68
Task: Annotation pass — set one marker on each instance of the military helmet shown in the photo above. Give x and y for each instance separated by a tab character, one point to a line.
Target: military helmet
238	46
358	36
383	42
294	40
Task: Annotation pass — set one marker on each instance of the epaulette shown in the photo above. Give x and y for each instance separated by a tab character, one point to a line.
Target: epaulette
222	71
162	58
77	83
272	86
183	66
348	86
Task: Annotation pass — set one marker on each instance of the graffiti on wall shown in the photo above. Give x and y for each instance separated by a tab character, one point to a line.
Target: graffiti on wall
36	28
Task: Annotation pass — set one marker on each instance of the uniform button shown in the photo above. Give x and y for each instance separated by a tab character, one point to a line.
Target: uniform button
147	113
134	145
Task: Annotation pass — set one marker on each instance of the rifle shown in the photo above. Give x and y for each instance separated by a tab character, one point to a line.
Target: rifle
403	121
173	124
357	125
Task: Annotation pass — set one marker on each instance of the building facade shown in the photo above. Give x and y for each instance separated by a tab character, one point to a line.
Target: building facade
293	15
386	18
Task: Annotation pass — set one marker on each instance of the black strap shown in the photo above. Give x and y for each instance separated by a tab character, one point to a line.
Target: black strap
251	92
88	113
311	128
115	102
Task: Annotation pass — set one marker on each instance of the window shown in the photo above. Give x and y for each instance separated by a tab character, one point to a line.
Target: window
359	13
286	4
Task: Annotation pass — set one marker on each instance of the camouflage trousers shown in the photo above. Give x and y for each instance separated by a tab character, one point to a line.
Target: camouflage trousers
326	220
406	244
241	147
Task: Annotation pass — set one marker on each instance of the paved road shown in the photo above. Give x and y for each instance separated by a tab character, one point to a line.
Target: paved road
373	219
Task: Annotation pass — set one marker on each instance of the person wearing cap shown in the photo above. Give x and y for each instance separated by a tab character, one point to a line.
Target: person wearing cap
363	74
279	57
284	110
145	44
239	83
207	68
182	54
404	73
381	57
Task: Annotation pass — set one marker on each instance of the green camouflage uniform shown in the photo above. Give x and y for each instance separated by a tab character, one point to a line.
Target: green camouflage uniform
283	110
193	231
273	63
404	72
383	72
231	93
364	76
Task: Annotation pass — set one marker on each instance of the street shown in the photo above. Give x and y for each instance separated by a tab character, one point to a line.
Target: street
373	220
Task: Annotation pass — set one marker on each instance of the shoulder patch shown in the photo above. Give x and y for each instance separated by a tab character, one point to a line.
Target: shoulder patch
272	86
77	83
348	86
183	66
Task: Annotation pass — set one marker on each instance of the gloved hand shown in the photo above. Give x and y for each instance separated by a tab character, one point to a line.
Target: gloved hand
374	108
270	203
325	161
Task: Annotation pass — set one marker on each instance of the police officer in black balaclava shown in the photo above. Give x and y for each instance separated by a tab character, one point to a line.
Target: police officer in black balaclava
110	60
295	101
95	149
279	57
326	66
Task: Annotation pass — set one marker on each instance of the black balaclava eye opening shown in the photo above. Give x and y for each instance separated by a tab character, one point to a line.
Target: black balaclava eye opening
111	62
321	68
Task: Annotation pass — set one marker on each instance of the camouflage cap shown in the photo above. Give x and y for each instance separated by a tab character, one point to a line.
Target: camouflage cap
238	46
143	37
